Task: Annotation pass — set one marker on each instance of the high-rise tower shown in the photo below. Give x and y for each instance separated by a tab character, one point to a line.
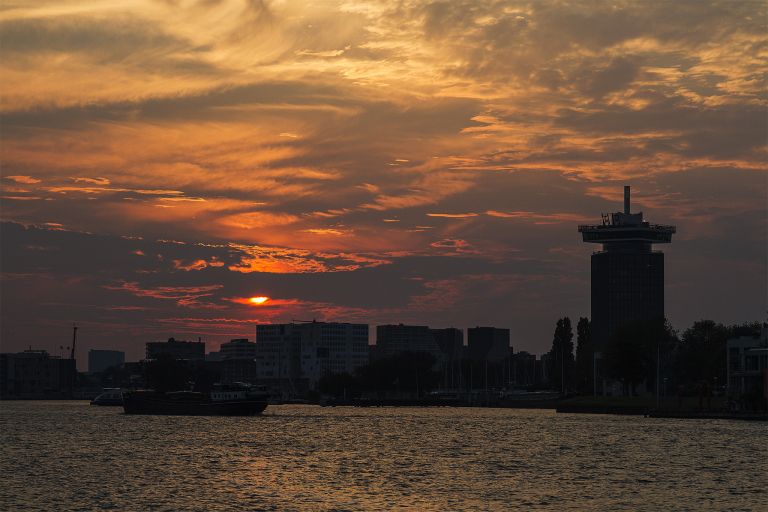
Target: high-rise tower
627	275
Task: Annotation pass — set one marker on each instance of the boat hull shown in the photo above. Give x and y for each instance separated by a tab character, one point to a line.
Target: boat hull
107	402
160	403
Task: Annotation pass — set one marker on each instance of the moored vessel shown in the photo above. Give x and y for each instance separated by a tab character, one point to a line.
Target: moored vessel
109	397
237	399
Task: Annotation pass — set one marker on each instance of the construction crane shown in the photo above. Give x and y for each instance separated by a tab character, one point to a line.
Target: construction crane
74	340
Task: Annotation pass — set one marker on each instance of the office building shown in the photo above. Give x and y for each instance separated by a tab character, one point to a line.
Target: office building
186	350
747	364
295	356
450	342
488	344
627	275
35	374
395	339
238	349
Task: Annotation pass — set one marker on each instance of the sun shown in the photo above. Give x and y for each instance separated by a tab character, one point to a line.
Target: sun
258	300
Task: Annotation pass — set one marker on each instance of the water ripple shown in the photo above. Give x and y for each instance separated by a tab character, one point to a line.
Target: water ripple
70	456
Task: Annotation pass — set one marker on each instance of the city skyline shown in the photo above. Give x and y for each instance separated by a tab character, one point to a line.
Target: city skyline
424	164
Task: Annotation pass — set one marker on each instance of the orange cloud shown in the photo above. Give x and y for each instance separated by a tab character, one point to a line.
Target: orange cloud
296	261
29	180
94	181
452	215
457	244
186	296
252	220
541	218
327	231
199	264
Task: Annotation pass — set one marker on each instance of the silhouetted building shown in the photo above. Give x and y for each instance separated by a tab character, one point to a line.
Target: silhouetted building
238	361
295	356
747	364
214	356
524	369
187	350
488	344
35	374
100	360
627	275
238	349
394	339
450	342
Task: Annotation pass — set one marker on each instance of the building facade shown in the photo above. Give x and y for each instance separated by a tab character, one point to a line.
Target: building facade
295	356
395	339
238	349
747	364
489	344
450	342
238	361
627	275
35	374
186	350
100	360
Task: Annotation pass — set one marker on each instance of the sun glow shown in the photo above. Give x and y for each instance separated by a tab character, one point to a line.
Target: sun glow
258	300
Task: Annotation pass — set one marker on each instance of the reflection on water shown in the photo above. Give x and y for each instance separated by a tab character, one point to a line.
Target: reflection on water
71	456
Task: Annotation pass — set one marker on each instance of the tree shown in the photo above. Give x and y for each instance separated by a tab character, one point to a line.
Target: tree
584	356
406	372
701	352
634	350
561	361
340	385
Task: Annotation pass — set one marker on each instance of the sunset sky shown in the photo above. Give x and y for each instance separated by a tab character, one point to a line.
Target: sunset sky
381	162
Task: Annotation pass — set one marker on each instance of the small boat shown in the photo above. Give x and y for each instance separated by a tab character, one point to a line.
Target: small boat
238	399
109	397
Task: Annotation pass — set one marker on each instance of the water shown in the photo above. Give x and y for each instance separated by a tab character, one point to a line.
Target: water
72	456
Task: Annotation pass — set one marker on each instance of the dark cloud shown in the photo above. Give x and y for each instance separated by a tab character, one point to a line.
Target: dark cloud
723	132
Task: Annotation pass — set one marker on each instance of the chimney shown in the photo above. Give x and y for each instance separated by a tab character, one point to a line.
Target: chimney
626	199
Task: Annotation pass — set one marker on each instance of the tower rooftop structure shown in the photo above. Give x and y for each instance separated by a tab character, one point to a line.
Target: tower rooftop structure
620	227
627	276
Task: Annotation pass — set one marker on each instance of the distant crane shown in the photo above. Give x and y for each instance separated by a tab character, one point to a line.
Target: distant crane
74	340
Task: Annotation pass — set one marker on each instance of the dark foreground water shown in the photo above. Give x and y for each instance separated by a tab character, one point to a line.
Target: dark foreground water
71	456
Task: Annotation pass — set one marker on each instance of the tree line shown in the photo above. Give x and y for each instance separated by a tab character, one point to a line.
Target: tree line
637	350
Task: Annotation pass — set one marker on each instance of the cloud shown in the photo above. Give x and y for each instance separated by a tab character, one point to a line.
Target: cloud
284	260
297	148
252	220
542	218
29	180
199	264
456	244
452	215
186	296
327	231
93	181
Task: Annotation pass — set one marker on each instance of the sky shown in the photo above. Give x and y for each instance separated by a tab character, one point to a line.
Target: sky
377	162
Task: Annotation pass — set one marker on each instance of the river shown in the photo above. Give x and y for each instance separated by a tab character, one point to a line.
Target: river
71	456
